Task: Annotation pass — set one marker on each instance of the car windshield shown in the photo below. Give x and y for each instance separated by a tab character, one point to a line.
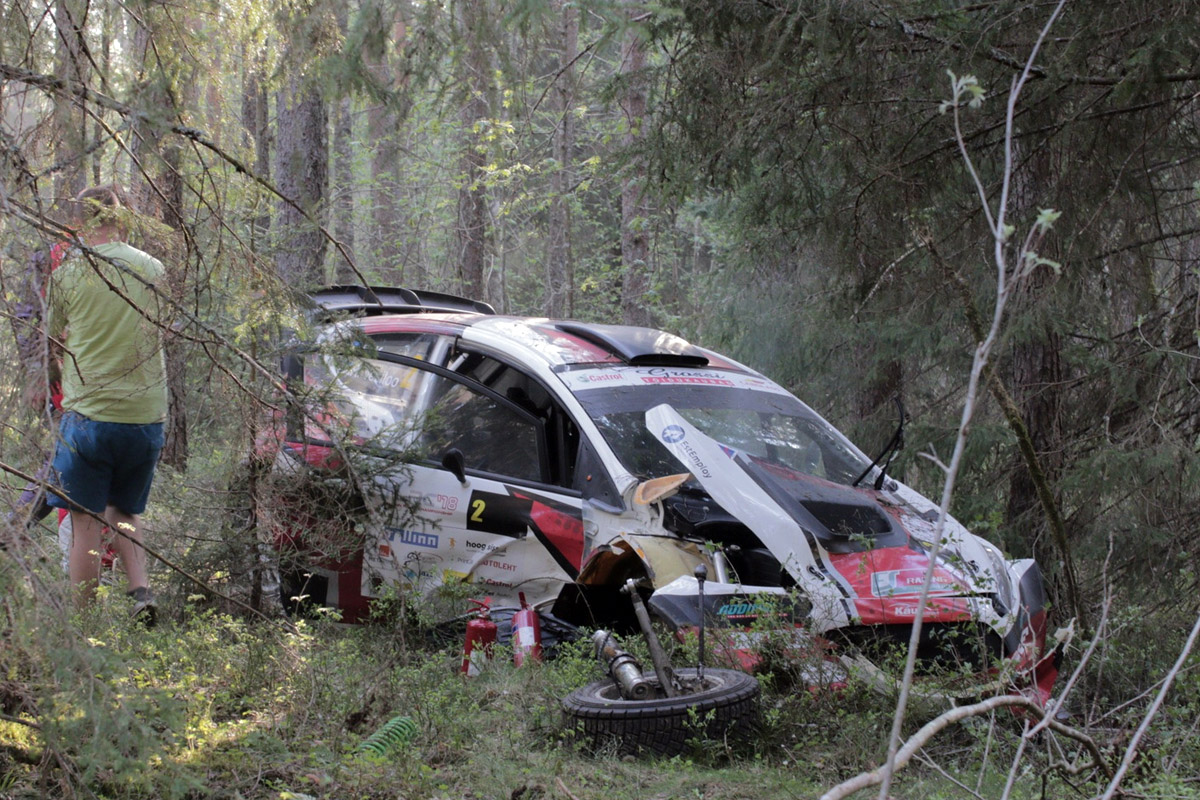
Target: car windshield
747	414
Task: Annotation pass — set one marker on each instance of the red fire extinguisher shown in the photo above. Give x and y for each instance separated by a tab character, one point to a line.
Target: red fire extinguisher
481	635
526	634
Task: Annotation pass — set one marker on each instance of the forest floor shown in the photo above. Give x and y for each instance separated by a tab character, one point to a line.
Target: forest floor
211	705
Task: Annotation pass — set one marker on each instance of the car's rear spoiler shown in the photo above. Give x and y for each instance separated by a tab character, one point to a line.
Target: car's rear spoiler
346	301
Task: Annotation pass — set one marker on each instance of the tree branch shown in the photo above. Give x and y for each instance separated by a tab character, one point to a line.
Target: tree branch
919	739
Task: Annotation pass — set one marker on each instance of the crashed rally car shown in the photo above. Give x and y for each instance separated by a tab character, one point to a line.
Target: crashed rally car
560	459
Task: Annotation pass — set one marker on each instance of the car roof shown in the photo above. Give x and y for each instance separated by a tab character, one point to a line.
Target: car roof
561	343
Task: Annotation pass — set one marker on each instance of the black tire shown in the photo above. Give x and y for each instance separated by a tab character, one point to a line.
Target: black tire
725	708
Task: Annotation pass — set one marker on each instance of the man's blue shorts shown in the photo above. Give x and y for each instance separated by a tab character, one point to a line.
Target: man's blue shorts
100	464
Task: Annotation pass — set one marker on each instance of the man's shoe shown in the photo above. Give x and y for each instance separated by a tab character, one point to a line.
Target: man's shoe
144	609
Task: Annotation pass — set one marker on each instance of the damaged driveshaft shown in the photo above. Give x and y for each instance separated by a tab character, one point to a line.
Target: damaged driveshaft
623	667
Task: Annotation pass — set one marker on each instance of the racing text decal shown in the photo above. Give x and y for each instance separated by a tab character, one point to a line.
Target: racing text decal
556	525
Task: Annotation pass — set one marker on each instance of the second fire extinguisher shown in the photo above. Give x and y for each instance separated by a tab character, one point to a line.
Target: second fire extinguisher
481	635
526	634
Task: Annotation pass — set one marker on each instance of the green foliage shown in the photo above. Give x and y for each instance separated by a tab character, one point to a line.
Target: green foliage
808	213
209	702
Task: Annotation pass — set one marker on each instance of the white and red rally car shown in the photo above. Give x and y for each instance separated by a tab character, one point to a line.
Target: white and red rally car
561	459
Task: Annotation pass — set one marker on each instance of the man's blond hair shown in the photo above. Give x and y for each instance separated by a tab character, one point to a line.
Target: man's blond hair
97	203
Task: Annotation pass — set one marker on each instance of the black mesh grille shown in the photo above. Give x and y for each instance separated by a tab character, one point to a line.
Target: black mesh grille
943	646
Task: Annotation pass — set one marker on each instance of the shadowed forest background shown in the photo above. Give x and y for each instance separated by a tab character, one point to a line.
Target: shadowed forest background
774	180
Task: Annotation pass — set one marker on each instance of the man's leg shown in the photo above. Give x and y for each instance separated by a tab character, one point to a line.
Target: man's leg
84	562
127	533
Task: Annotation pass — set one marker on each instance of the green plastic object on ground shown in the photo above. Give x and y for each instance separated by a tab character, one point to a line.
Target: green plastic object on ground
394	732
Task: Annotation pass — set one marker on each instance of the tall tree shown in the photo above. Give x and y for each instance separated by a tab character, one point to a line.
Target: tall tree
255	122
302	148
72	66
559	271
635	208
385	116
473	229
343	183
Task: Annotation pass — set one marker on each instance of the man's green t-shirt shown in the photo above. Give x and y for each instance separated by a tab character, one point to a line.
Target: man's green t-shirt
112	365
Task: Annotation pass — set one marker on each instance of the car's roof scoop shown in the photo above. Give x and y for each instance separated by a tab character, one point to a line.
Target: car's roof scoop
639	347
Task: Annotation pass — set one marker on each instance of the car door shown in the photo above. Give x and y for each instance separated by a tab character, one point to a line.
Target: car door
482	496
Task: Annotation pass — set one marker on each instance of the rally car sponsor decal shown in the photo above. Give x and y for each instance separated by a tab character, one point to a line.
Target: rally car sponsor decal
937	609
442	504
558	526
414	538
910	581
582	379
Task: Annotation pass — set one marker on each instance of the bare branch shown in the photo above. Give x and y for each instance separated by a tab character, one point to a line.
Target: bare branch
978	366
935	726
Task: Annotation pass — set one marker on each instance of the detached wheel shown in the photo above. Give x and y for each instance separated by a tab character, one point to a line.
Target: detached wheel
725	705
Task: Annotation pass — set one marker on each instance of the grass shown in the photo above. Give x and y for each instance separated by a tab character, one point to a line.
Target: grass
211	705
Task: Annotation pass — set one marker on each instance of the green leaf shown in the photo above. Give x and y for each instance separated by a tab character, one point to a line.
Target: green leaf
1046	218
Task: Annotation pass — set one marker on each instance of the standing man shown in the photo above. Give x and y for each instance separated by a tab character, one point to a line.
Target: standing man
104	312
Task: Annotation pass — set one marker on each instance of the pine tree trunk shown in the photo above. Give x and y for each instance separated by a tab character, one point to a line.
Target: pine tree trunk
343	190
302	175
635	211
255	111
70	66
382	124
384	120
559	277
473	231
1037	376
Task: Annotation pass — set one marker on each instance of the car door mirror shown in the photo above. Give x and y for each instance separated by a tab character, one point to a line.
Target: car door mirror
454	461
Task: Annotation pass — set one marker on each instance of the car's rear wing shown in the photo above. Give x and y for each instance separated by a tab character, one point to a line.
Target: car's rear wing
334	302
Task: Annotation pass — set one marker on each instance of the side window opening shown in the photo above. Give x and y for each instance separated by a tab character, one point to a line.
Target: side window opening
370	402
367	400
375	402
492	436
525	392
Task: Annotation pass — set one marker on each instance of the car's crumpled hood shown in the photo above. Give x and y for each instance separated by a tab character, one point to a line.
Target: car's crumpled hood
858	553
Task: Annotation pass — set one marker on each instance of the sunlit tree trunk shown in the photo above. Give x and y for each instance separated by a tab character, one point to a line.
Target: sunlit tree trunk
384	118
342	190
255	113
168	86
